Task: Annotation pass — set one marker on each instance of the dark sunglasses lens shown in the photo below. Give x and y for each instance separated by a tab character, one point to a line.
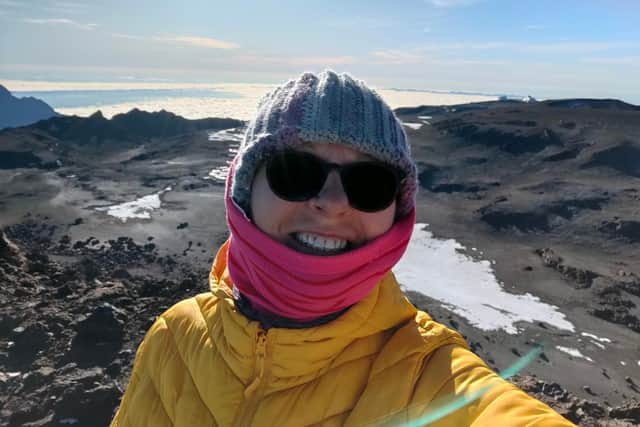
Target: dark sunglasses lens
295	176
370	187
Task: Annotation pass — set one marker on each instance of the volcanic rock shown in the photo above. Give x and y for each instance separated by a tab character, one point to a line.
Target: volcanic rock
98	336
9	252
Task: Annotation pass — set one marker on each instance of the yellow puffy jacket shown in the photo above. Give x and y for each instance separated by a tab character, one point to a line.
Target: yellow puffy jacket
381	363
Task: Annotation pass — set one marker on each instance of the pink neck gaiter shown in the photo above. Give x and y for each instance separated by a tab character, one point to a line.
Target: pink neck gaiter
285	282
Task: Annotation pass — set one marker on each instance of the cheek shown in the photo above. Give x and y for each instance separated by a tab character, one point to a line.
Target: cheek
268	212
379	222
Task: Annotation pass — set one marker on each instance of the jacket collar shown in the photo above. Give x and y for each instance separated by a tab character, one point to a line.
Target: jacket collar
305	352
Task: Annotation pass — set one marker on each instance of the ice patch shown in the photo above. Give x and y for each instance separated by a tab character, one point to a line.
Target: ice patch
436	268
219	173
4	376
595	337
138	209
574	352
414	126
234	134
425	119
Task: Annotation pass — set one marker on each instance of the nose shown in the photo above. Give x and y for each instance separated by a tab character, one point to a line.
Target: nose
332	199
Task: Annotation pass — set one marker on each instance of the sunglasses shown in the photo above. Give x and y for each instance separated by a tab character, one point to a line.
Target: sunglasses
297	176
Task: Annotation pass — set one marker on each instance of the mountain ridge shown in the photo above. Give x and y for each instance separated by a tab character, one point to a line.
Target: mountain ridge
15	112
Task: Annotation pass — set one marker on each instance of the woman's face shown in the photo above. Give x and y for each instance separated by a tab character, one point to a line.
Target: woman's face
325	224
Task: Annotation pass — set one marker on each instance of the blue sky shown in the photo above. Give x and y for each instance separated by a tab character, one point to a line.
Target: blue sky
560	48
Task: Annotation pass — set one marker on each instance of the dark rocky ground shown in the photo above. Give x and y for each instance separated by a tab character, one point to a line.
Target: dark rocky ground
551	191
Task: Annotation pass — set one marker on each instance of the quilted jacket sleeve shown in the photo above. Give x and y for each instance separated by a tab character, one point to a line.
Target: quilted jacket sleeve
452	371
141	404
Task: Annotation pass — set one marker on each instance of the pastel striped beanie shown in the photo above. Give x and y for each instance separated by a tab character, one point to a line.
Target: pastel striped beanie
327	108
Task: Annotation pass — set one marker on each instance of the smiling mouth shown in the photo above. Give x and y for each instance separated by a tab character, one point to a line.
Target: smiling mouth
321	245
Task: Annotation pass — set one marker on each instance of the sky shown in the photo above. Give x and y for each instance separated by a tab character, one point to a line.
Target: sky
547	49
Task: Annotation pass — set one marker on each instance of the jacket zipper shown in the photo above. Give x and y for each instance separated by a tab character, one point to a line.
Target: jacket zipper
252	393
261	350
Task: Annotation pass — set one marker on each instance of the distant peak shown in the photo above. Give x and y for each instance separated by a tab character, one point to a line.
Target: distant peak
4	91
97	115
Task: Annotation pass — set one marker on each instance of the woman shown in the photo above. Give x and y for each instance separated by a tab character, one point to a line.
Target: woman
305	323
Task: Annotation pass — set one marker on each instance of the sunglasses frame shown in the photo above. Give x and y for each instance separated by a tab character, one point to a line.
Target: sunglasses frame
326	168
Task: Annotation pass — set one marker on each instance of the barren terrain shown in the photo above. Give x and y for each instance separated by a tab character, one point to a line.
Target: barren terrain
550	191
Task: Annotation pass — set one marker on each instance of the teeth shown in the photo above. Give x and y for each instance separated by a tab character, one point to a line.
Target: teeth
321	243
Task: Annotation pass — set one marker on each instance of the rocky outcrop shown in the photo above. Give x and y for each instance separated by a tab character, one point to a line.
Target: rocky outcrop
612	297
510	142
580	278
583	412
543	217
9	252
598	104
68	332
623	157
628	230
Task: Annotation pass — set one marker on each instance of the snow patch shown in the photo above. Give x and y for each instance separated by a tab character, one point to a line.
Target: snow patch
414	126
425	119
220	173
468	287
138	209
233	134
573	352
595	337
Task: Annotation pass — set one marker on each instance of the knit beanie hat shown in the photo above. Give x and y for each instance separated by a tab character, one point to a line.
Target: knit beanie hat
327	108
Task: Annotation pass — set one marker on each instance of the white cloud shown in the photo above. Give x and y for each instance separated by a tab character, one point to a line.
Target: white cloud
60	21
322	60
205	42
535	27
66	7
126	36
394	56
425	55
256	59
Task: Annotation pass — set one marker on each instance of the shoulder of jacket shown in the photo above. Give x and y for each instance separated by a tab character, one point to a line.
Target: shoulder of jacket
179	323
414	340
184	315
435	334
